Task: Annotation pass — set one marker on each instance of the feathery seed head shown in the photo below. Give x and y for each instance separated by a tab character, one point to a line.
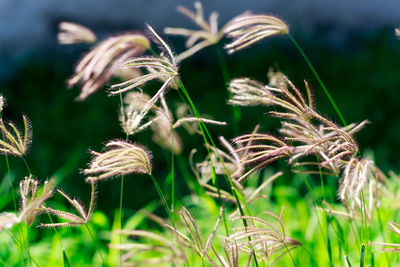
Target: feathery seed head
120	158
165	135
261	150
247	29
194	239
7	220
72	219
361	186
275	78
163	251
14	142
163	68
264	236
72	33
31	199
2	103
390	247
397	32
133	113
207	35
247	92
96	68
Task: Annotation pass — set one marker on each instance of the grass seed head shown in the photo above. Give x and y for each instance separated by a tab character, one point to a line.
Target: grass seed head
72	219
248	29
163	68
207	35
136	250
72	33
165	135
120	158
96	68
267	238
247	92
14	142
2	103
360	187
134	112
7	220
31	199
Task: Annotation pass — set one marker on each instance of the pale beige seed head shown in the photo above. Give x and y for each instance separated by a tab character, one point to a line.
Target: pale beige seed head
360	187
32	199
72	33
163	68
165	135
207	35
82	215
163	250
267	237
397	32
247	92
194	239
248	29
2	103
14	142
275	78
120	158
96	68
134	112
126	74
7	220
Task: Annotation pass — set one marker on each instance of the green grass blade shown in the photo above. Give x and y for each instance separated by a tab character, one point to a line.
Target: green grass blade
303	54
65	259
362	258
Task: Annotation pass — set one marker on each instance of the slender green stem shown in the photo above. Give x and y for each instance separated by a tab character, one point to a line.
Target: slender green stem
186	97
204	131
121	195
225	74
121	199
11	183
161	195
222	64
362	257
328	234
316	202
303	54
20	235
173	176
26	165
91	235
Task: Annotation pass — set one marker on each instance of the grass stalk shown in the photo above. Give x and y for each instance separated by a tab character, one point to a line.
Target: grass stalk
204	131
94	241
303	54
163	200
237	115
362	257
173	177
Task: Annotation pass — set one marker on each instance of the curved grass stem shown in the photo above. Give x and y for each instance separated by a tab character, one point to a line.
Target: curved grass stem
161	195
303	54
206	134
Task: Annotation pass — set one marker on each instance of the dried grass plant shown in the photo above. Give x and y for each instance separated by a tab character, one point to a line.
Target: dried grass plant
97	67
310	142
14	142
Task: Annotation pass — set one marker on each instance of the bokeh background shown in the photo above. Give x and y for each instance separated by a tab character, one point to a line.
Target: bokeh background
351	44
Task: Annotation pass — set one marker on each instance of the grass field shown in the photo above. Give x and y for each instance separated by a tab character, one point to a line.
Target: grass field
218	155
